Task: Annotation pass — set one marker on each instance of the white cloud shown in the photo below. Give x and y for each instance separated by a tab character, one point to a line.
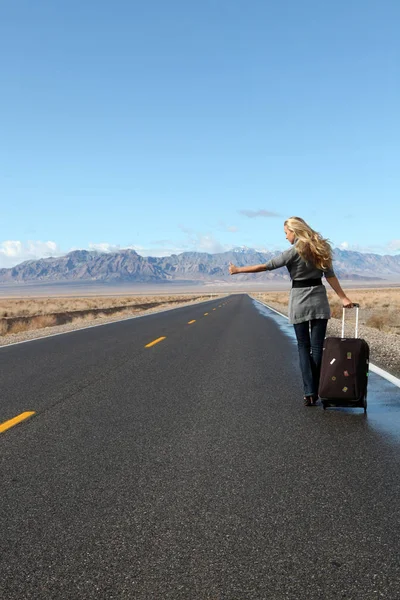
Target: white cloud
253	214
394	246
103	247
157	248
13	252
164	248
109	248
207	243
201	242
390	248
197	243
185	229
229	228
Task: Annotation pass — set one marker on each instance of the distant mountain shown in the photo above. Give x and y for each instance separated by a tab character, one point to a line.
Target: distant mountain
128	266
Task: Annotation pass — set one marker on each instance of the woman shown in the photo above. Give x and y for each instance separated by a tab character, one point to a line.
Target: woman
308	259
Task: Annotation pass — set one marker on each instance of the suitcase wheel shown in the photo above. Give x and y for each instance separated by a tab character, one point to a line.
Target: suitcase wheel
365	404
324	404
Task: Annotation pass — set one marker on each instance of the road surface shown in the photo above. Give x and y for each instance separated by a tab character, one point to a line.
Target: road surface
190	469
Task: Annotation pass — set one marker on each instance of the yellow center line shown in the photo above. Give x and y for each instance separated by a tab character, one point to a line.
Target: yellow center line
205	314
160	339
7	424
190	322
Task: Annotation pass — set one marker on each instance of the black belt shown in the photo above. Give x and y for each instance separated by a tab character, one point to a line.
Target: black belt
296	283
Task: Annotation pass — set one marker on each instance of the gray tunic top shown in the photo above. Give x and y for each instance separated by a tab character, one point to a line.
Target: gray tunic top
304	303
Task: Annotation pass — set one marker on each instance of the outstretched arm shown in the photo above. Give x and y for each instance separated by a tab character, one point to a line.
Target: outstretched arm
335	285
275	263
233	270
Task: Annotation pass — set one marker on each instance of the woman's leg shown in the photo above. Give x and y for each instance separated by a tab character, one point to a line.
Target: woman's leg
318	332
302	331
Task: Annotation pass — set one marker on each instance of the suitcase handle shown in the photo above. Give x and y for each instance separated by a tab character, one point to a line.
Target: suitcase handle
357	307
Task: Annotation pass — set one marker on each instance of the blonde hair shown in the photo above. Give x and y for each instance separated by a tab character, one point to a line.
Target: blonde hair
310	244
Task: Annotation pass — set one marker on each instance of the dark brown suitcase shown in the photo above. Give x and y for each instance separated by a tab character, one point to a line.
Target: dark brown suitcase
344	370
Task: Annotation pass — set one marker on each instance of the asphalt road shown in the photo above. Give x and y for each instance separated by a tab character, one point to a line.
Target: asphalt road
189	469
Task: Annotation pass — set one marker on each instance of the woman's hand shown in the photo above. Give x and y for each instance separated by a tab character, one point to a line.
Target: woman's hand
233	269
347	303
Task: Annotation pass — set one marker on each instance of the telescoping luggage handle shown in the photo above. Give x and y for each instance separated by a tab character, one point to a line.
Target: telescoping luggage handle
357	307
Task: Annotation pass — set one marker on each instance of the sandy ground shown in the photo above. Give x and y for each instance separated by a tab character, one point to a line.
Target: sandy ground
232	286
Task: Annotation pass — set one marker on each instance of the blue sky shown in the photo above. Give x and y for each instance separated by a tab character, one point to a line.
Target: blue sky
177	125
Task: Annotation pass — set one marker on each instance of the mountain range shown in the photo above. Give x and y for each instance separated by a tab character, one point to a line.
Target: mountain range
128	266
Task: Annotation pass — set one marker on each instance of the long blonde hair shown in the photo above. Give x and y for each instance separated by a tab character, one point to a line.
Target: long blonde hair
310	244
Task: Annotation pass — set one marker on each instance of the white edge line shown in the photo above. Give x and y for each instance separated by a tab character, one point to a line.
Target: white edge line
384	374
372	367
45	337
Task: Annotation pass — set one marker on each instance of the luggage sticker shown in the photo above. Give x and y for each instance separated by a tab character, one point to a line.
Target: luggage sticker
345	389
332	361
346	373
349	355
333	378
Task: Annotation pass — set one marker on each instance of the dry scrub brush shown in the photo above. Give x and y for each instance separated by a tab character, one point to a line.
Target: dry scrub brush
25	307
19	315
